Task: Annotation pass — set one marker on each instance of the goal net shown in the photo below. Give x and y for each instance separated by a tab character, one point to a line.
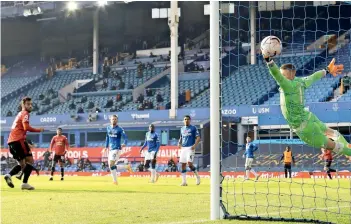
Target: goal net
312	33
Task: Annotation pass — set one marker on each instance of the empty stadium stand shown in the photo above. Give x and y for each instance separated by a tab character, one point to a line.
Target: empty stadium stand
248	85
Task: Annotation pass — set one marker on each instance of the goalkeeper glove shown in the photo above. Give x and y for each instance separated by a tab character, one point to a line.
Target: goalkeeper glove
334	69
267	58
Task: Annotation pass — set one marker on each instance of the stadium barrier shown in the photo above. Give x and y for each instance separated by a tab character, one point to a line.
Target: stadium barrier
165	153
227	175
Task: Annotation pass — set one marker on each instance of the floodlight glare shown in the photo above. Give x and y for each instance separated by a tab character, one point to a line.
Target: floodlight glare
72	6
102	3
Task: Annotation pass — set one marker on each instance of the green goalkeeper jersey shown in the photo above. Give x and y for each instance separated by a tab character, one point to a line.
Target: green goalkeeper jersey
292	101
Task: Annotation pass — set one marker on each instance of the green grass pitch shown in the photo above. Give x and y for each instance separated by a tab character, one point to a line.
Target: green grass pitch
89	200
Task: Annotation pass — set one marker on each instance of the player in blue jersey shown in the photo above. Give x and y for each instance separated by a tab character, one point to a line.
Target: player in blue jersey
249	155
189	139
152	141
113	143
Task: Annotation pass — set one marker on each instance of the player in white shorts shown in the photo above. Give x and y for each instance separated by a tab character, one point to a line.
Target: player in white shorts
249	155
113	143
189	139
152	141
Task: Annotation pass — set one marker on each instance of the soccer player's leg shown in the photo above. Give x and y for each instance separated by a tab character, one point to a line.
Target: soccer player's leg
339	138
113	159
327	165
18	154
27	170
286	170
53	165
312	132
183	159
62	163
316	134
327	168
21	152
154	174
191	157
153	165
248	169
147	165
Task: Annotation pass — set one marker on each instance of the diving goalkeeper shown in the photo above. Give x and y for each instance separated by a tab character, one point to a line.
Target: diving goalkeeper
304	123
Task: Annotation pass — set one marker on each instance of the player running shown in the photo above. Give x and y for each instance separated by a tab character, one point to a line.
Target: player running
288	159
60	145
327	156
19	148
189	139
152	141
113	143
304	123
249	155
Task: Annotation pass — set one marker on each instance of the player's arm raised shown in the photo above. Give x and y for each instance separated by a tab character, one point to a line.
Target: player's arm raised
275	72
332	68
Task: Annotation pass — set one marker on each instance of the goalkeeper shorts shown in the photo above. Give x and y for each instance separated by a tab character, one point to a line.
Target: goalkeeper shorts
312	132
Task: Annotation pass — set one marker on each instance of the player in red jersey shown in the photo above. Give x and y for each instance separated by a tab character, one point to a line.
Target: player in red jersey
327	156
60	144
19	147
